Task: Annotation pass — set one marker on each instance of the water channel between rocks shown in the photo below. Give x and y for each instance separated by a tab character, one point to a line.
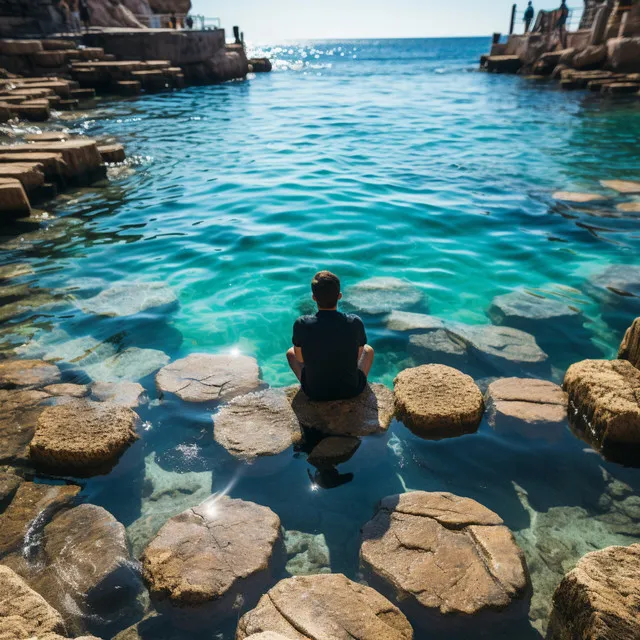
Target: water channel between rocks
385	160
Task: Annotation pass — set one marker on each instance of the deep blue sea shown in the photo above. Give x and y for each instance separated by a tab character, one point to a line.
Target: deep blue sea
390	158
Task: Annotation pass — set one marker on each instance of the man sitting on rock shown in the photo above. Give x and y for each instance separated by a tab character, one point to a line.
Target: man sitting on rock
330	355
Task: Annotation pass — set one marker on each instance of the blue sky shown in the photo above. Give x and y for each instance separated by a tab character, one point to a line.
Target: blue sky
270	21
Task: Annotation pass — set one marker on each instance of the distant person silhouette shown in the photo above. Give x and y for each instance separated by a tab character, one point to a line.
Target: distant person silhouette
528	17
173	21
561	23
189	22
85	16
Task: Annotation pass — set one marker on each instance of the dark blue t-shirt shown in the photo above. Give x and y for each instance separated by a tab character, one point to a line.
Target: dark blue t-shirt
330	342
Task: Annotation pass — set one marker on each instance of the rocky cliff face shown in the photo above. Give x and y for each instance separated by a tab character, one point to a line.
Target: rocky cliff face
167	6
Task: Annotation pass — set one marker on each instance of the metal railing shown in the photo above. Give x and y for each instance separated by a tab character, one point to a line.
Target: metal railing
572	24
164	21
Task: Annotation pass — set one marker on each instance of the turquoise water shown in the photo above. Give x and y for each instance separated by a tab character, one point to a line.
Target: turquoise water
390	158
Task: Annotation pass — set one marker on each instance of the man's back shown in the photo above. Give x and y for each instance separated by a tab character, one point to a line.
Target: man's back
330	343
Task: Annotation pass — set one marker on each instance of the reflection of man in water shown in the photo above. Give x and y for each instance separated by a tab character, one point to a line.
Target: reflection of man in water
528	17
330	355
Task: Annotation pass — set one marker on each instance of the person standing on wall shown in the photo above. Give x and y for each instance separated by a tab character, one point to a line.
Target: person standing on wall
75	16
85	16
561	23
173	21
528	17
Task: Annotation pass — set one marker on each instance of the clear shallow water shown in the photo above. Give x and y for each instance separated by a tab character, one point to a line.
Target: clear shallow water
394	159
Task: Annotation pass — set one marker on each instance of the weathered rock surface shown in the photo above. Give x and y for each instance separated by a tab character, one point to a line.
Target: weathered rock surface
333	450
267	635
257	424
619	283
325	607
82	436
128	299
131	364
522	310
23	612
439	346
307	553
444	553
377	296
31	502
202	377
15	270
589	57
27	374
370	412
605	397
66	389
630	347
87	563
408	321
600	598
436	401
526	406
125	394
212	553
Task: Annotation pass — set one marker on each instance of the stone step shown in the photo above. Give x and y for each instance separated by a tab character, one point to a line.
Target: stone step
128	87
46	136
503	64
19	47
29	174
112	153
68	105
109	57
32	110
12	99
49	59
621	88
157	64
5	114
152	80
13	198
53	165
36	80
30	93
59	87
83	94
58	45
91	53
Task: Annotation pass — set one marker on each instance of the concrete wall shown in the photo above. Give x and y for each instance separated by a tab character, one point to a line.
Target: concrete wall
180	47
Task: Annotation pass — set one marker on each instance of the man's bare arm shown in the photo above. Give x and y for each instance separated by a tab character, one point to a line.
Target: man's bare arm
298	352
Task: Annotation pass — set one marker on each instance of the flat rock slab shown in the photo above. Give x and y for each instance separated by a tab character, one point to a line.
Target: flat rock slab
444	553
521	309
129	299
333	450
436	401
525	406
125	394
408	321
131	364
369	413
16	270
202	377
377	296
83	437
622	280
31	501
213	552
600	598
629	207
630	346
622	186
27	374
325	607
87	563
257	424
605	401
578	197
69	390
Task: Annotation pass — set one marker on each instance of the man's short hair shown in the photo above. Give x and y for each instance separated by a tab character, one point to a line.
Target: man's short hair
326	289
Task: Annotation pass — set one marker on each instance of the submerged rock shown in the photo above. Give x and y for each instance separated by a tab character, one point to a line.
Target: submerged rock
202	377
369	413
622	186
526	406
165	494
125	394
377	296
307	553
605	397
444	553
439	346
407	321
15	270
436	401
630	347
32	503
212	554
600	598
69	390
27	374
325	607
333	450
131	364
257	424
100	435
578	197
617	284
130	298
88	573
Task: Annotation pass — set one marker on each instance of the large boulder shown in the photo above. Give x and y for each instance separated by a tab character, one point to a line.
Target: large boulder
202	377
436	401
130	298
624	54
257	424
369	413
630	347
526	406
444	553
213	554
592	57
380	295
87	563
325	607
100	435
605	396
27	374
600	598
32	504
